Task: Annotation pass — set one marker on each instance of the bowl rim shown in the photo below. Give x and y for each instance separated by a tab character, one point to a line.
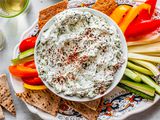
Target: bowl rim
121	69
22	10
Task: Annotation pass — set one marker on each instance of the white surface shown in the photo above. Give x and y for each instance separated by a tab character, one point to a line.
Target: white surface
1	41
12	29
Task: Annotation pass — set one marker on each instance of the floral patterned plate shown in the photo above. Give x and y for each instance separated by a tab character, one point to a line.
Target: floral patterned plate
118	104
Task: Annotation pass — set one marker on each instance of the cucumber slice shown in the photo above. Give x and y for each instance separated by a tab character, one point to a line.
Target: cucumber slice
150	82
143	95
18	61
26	53
129	73
140	87
139	68
147	65
133	56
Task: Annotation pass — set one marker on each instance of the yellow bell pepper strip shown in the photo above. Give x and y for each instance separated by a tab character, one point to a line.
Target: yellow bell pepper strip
132	14
33	87
118	14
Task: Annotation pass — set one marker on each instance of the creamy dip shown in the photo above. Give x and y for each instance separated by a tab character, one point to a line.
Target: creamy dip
79	54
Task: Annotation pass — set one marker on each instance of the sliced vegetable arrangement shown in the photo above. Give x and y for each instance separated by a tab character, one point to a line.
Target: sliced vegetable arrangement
143	42
132	14
139	74
24	66
137	20
143	24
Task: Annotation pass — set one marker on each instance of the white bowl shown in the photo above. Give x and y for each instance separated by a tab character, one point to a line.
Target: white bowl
118	75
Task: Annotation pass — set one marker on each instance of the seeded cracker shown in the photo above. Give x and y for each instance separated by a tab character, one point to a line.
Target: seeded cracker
1	114
83	110
45	100
105	6
5	95
93	104
51	11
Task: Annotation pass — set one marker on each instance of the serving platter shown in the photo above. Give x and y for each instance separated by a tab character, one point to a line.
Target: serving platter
118	104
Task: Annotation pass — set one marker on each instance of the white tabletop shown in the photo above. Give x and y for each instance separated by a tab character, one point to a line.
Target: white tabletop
12	29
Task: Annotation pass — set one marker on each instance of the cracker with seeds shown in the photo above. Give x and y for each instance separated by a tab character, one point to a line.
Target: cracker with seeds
45	100
1	114
6	100
85	111
93	104
105	6
51	11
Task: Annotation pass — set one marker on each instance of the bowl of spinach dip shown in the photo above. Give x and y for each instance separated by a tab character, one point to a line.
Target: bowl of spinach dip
81	54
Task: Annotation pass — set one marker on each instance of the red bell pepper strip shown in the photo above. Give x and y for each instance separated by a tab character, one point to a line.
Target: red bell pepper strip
27	44
136	23
22	71
142	28
153	5
144	15
132	14
30	64
33	81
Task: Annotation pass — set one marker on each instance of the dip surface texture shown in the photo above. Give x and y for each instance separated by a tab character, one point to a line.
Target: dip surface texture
79	54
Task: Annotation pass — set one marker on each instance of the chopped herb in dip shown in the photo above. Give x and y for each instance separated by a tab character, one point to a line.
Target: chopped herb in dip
79	54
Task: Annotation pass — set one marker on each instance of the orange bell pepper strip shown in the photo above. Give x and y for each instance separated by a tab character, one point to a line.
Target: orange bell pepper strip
132	14
22	71
118	14
32	87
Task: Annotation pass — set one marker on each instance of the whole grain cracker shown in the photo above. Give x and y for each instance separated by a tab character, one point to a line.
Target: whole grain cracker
45	100
51	11
1	114
93	104
6	100
83	110
105	6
